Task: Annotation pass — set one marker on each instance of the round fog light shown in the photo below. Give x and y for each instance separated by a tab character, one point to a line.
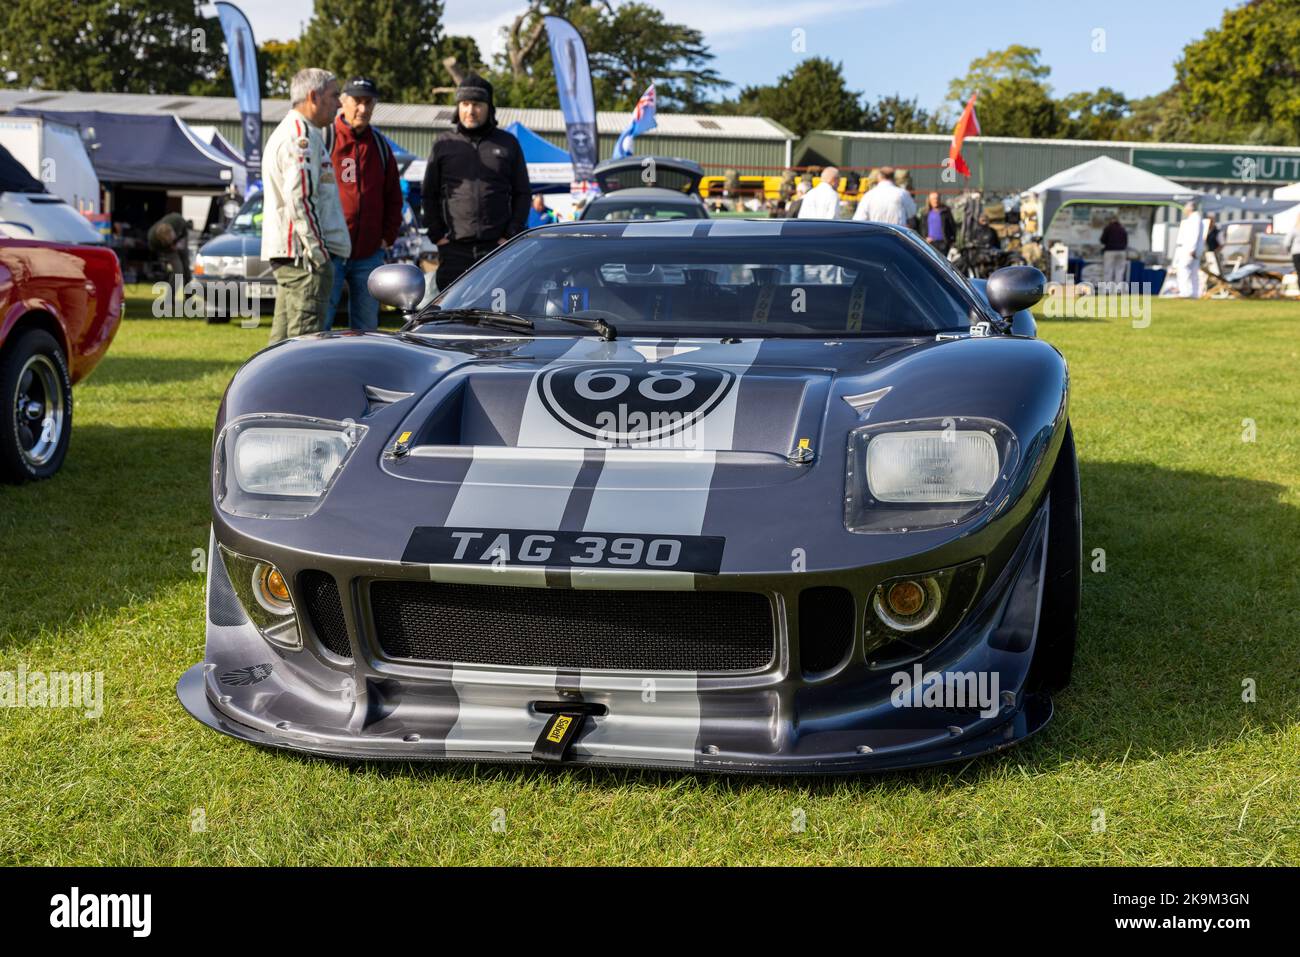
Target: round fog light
905	599
271	590
908	605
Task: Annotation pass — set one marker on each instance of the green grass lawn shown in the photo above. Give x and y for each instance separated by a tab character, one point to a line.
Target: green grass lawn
1201	533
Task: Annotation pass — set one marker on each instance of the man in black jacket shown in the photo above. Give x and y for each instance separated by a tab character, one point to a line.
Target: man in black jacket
937	225
476	193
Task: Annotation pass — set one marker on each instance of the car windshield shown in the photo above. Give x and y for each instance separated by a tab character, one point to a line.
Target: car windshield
249	218
616	211
722	279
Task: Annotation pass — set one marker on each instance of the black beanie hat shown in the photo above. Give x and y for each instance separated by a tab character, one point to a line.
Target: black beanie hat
474	87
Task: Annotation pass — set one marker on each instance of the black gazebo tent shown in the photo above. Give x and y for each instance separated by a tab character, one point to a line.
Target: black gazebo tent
149	150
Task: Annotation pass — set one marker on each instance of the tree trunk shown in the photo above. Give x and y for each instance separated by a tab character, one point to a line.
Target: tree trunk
519	50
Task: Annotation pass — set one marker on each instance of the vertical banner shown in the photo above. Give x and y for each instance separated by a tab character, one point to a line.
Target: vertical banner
248	91
577	101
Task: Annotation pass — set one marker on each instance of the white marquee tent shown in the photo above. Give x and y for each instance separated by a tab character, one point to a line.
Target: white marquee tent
1105	180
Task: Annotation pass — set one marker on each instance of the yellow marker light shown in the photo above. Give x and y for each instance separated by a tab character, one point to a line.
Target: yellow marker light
404	438
905	598
272	591
274	584
805	443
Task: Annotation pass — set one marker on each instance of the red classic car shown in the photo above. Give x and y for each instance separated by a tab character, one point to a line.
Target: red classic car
60	306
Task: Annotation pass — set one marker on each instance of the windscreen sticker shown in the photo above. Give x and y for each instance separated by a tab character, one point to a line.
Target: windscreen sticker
857	306
575	299
763	304
662	306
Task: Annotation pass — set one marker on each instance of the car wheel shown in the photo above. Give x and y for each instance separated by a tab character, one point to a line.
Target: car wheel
1058	626
36	393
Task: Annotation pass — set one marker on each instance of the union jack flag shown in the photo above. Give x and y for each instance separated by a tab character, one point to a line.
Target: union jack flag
643	119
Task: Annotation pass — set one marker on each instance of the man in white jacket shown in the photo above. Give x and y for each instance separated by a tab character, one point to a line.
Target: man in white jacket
302	218
823	200
1188	249
886	202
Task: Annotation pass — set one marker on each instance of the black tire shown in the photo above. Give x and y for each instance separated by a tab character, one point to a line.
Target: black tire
35	389
1058	626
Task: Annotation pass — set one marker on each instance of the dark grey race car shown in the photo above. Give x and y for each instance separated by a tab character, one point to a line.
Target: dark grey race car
743	496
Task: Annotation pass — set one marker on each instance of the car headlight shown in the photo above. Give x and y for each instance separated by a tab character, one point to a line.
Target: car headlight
219	265
288	461
932	466
280	466
904	476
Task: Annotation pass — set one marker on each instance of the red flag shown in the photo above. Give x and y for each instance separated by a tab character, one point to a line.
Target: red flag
968	125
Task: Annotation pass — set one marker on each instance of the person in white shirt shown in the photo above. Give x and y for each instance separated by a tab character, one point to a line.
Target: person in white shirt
823	200
303	226
886	202
1188	249
1295	245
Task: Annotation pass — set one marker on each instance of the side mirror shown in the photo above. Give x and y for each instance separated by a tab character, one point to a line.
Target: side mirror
397	284
1013	288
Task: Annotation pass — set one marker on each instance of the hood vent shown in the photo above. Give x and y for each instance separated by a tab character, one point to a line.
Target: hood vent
377	399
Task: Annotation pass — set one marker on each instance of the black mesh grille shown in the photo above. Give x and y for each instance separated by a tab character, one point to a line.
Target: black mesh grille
825	627
566	628
223	604
325	611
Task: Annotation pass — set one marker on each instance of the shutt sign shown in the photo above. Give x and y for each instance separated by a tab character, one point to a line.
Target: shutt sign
1244	166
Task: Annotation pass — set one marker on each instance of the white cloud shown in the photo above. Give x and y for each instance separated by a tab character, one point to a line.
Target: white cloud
717	22
723	29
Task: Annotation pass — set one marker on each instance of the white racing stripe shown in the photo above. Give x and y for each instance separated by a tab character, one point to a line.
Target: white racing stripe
538	427
652	491
640	490
680	227
515	488
494	712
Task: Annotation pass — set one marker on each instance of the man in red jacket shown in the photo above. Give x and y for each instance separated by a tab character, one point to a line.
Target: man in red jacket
371	195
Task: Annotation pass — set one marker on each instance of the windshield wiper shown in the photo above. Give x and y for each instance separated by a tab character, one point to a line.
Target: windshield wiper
476	317
606	330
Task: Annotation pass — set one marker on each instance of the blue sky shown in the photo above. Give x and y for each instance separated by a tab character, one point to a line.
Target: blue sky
913	47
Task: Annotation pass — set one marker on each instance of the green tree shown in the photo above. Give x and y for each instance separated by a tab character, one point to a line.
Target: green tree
398	43
634	46
1243	79
1014	97
812	96
109	46
895	114
1096	115
628	47
523	75
278	61
459	56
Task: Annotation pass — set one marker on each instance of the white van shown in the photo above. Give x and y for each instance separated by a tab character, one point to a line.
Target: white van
55	155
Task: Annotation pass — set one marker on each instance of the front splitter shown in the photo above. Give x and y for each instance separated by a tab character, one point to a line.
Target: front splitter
1035	713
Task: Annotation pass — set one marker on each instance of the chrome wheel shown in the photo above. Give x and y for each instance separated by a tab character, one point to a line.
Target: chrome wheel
38	410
